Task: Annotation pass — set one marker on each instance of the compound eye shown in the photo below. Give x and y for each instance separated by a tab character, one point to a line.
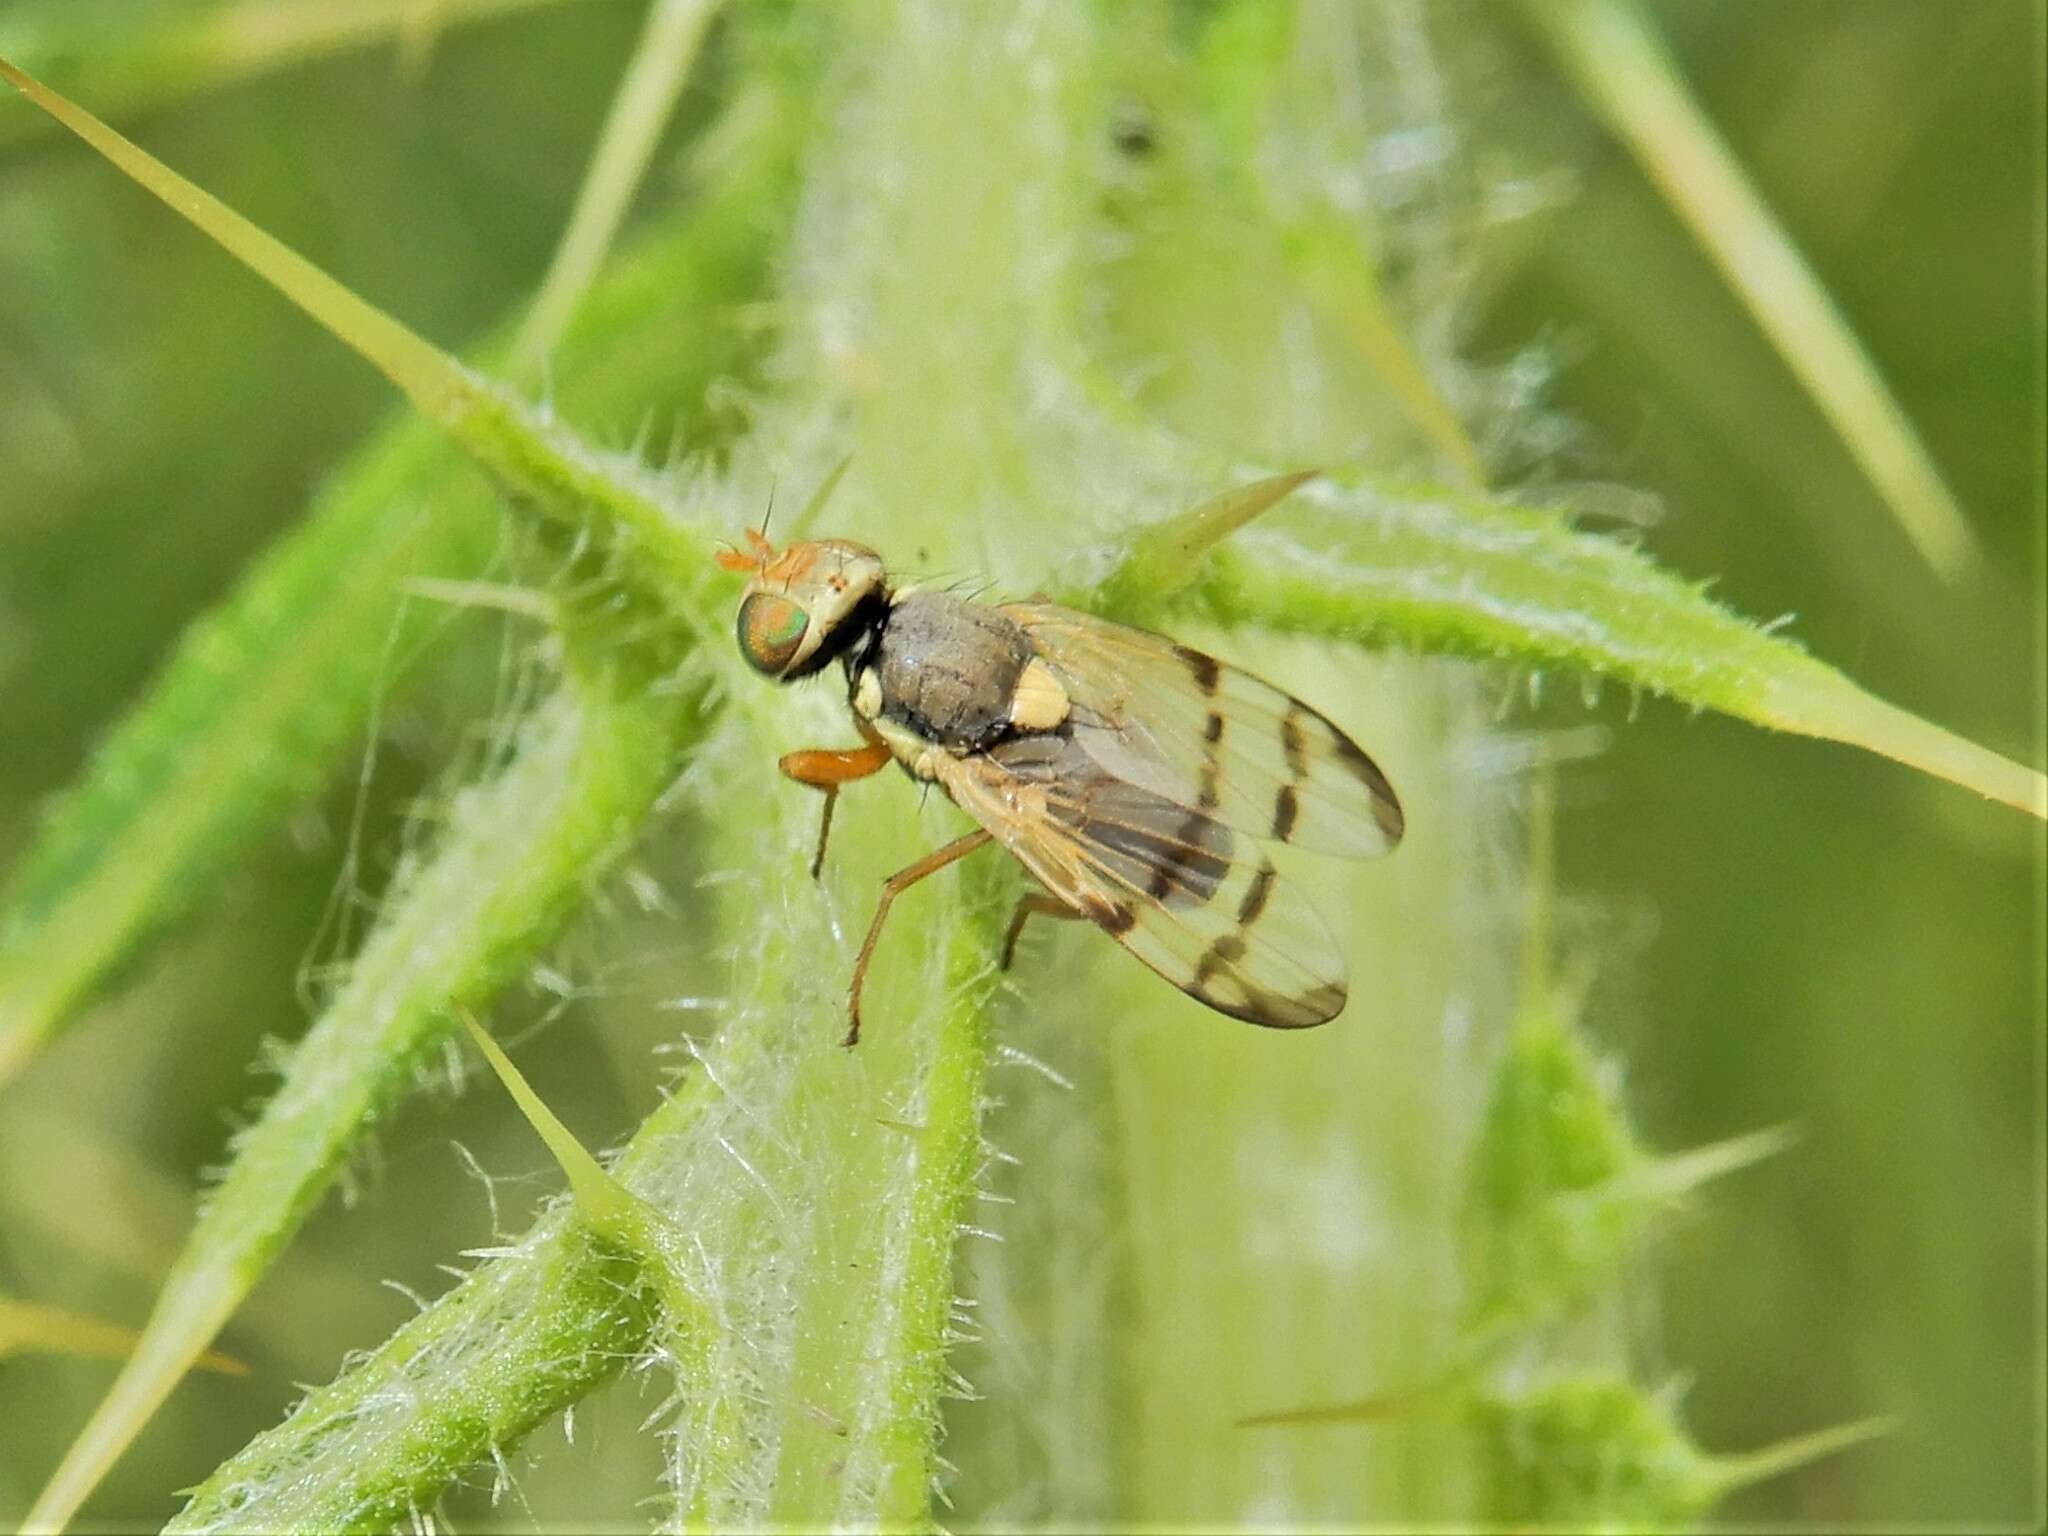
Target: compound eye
771	628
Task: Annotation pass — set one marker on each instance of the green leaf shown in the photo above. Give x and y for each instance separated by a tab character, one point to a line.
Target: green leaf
1441	570
524	1337
534	457
294	657
1595	1452
517	857
129	59
601	1200
1277	80
1560	1196
1612	50
658	1245
778	1148
28	1328
646	96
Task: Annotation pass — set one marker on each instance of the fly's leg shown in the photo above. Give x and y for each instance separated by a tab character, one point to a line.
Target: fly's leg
827	770
893	887
1033	902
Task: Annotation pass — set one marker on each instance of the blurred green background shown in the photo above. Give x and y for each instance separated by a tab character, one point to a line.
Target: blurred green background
1788	932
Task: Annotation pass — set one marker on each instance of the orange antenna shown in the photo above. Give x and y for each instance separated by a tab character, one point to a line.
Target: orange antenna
757	541
757	538
758	553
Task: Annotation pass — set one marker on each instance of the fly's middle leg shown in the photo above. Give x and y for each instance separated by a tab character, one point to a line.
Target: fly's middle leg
893	887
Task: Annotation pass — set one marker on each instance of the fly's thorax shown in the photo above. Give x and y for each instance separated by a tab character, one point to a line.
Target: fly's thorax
955	675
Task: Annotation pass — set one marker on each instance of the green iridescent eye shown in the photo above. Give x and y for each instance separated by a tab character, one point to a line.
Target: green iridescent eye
771	628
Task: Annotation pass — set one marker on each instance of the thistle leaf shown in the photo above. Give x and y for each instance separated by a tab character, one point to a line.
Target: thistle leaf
1442	570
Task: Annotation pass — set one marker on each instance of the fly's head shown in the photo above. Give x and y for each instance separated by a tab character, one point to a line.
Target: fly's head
803	602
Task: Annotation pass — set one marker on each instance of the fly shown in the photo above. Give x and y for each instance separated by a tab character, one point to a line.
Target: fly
1134	777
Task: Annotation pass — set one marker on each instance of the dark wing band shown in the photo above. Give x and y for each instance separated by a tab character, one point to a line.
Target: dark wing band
1168	881
1193	730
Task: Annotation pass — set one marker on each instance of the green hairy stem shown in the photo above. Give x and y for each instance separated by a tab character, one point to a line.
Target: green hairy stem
1051	1247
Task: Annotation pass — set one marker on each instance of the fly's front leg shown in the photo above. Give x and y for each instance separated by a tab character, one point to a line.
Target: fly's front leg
1033	903
827	770
893	887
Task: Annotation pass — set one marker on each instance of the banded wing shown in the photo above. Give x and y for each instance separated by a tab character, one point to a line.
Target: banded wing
1178	722
1168	881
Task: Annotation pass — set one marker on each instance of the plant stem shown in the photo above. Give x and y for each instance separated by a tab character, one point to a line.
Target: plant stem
522	1338
294	657
518	855
647	95
1612	51
127	63
1447	572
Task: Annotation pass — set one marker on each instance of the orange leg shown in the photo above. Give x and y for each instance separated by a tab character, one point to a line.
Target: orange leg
1028	904
828	770
893	887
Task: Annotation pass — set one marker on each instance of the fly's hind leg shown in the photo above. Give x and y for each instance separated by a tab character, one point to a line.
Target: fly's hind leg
893	887
827	770
1033	903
